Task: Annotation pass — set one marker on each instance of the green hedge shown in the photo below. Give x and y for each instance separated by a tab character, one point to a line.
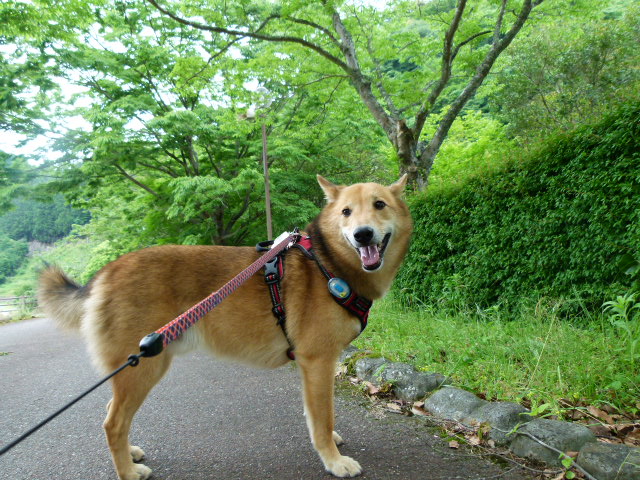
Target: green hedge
562	224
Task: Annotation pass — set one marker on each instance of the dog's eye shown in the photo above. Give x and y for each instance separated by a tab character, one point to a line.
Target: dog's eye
346	212
379	205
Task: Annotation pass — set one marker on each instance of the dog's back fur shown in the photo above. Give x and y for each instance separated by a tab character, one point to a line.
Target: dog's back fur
141	291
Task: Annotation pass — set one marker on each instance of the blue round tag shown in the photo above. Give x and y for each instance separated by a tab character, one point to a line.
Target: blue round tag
339	288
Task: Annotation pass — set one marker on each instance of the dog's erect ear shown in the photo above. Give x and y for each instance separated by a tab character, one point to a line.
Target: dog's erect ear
397	188
330	190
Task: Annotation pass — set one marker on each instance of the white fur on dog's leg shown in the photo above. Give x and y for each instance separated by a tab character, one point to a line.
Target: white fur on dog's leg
136	453
337	439
343	467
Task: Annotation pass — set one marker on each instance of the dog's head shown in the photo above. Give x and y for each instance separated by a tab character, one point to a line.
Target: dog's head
369	217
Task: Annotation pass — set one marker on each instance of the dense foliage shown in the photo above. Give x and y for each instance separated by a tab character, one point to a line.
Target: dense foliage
564	223
44	222
148	120
557	77
12	254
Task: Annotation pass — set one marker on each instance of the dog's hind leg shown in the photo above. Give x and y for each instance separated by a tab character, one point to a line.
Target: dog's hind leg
130	388
318	379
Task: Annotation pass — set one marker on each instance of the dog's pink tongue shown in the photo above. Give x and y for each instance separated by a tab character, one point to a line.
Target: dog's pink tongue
369	255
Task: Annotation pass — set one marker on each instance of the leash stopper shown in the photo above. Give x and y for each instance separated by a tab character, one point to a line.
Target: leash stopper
339	288
152	344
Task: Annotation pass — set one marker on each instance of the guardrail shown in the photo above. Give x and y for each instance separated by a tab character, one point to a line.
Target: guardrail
11	305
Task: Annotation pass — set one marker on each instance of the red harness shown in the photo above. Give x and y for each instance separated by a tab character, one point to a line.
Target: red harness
274	271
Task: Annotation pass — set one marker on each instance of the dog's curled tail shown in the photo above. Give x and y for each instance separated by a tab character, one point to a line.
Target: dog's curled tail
61	298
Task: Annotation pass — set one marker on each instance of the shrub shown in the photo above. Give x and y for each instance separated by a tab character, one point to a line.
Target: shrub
561	223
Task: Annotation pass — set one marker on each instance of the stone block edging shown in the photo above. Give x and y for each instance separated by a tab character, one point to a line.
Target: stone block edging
511	424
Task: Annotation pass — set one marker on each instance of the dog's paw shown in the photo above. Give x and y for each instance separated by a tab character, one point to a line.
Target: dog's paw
343	467
143	471
138	472
337	439
136	453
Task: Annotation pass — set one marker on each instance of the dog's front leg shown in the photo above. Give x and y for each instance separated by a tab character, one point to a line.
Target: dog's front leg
318	380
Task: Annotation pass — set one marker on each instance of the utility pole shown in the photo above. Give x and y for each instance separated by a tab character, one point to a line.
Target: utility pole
267	183
252	115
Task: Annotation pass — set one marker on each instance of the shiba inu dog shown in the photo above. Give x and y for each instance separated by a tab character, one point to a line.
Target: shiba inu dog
361	236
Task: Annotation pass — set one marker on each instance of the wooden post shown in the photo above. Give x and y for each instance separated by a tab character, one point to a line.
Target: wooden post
267	187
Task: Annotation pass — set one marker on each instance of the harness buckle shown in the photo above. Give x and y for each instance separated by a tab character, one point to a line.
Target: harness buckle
264	246
272	271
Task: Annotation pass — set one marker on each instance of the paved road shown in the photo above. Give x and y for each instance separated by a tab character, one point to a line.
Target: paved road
205	420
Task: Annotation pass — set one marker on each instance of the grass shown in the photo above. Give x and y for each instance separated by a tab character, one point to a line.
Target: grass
536	358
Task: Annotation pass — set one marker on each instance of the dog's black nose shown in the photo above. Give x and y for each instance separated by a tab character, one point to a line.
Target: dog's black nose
363	235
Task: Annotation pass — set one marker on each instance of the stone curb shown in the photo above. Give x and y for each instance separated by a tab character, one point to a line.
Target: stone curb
511	424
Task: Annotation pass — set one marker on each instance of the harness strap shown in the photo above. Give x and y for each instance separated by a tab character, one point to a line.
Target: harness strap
274	272
354	303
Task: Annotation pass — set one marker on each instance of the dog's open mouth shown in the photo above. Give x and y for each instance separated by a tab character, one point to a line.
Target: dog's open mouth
372	255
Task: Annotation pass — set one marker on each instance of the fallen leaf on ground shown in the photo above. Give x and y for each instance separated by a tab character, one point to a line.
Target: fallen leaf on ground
419	411
626	428
454	444
633	438
371	388
473	440
600	414
394	407
609	409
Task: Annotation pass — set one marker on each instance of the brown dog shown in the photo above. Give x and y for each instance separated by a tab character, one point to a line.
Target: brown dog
361	236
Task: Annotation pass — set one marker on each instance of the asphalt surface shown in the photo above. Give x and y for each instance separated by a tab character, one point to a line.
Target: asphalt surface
205	420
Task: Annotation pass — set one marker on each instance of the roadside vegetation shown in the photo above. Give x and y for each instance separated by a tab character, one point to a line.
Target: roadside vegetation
534	357
522	283
523	278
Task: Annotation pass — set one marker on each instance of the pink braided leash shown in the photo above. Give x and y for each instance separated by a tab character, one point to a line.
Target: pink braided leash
153	343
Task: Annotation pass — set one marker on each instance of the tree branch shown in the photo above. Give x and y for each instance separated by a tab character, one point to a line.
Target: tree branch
361	83
159	168
445	73
464	42
270	38
232	221
137	182
378	70
428	154
498	26
317	27
351	66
